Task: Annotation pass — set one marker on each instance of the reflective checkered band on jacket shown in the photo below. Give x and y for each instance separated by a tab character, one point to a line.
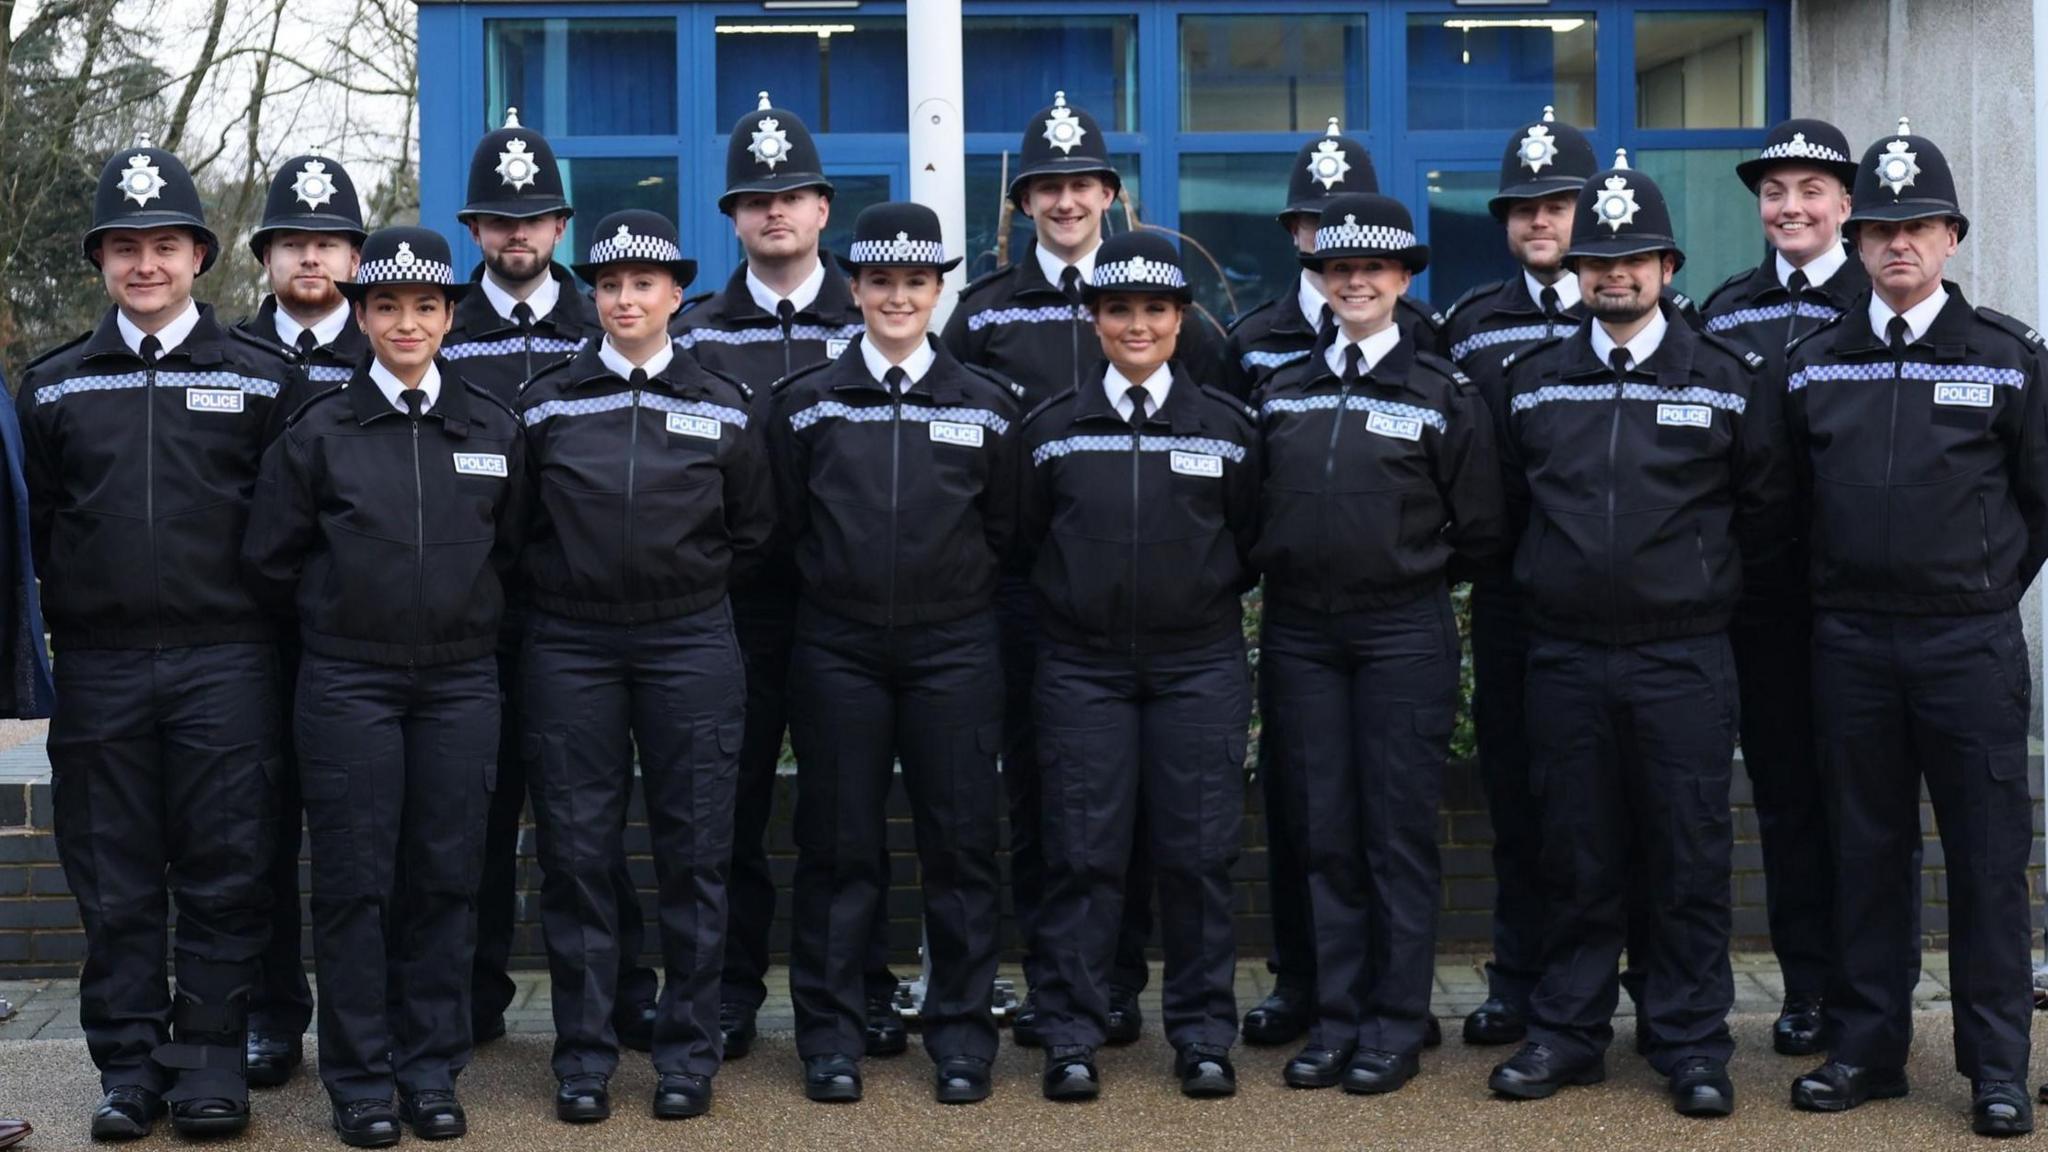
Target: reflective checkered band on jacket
1428	416
767	335
1911	370
511	346
1520	334
1736	319
328	373
1253	360
915	413
626	247
1054	449
1550	393
593	405
1050	314
898	251
254	385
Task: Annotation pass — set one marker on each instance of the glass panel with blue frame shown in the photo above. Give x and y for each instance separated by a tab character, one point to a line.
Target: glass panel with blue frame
1714	215
840	73
1700	69
1467	246
1237	255
1266	74
582	77
1470	70
601	185
985	195
1014	64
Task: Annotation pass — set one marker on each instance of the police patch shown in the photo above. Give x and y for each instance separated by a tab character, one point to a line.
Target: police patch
947	432
702	427
213	399
1196	464
1685	416
1398	427
479	464
834	347
1957	394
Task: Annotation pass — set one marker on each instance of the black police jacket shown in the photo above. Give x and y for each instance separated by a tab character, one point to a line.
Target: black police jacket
393	539
1639	502
139	481
1140	540
1275	334
1371	487
901	507
647	499
1495	320
1020	326
329	364
1756	311
499	356
1927	475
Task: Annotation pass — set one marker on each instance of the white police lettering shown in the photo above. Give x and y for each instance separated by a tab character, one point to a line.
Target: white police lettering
213	399
965	435
1685	415
479	464
1196	464
1399	427
702	427
1956	394
835	346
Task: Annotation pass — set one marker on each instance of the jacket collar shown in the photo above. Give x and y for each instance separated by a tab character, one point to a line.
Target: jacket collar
1395	370
1670	365
834	305
475	319
1182	412
202	347
682	375
346	348
1030	276
941	384
451	408
1948	338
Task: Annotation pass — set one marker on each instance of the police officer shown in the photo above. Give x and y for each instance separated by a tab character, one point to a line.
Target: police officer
783	310
1919	424
309	242
142	444
1140	510
388	516
526	314
896	475
1380	465
652	484
1648	474
1801	180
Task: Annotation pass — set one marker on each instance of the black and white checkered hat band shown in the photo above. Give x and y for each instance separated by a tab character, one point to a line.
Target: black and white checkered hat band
630	248
413	271
1138	270
898	251
1364	237
1802	150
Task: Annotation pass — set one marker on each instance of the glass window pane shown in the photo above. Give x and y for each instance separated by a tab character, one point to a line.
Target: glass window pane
840	73
1477	71
1716	223
599	186
1015	63
1700	69
1237	255
582	77
985	199
850	194
1467	246
1258	74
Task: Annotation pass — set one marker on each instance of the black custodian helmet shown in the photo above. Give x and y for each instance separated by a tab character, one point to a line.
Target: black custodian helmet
1905	177
513	173
142	188
771	150
1621	212
310	194
1329	165
1062	141
1544	157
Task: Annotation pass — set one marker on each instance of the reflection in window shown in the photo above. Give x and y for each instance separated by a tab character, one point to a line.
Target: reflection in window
1237	255
1700	69
1467	246
1259	74
841	74
986	191
600	186
1717	227
1015	63
1477	71
582	77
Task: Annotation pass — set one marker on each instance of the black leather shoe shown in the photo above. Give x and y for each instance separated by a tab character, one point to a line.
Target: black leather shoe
679	1096
1801	1029
2000	1108
126	1112
272	1057
214	1116
960	1080
1070	1074
1314	1067
1024	1026
1700	1087
634	1025
1838	1087
1126	1019
482	1032
1433	1033
1537	1072
1495	1023
433	1115
366	1123
886	1035
583	1100
1204	1072
736	1027
1280	1018
831	1079
1374	1073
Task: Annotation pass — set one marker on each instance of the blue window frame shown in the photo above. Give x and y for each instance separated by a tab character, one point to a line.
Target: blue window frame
1199	164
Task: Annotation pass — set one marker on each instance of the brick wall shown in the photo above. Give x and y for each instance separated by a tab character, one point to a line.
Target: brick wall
39	933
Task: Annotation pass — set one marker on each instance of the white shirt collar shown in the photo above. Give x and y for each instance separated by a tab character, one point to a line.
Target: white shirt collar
1818	270
914	365
1052	265
1567	288
1919	318
1312	302
326	330
1640	349
1157	385
168	337
391	385
1374	347
623	368
805	295
542	299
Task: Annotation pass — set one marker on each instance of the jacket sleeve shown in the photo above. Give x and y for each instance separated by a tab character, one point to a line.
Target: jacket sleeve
2029	462
999	502
956	338
1231	374
283	526
749	500
1034	505
1468	476
789	463
514	514
1242	509
1514	479
39	469
1766	494
1201	350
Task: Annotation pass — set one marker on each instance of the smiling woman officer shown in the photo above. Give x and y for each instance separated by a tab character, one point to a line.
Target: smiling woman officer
387	516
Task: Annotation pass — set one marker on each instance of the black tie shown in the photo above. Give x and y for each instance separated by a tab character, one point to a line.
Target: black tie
1898	334
522	315
1323	318
1796	283
415	402
1137	396
785	312
152	349
1548	302
1620	359
637	378
896	379
1070	282
1354	363
307	342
